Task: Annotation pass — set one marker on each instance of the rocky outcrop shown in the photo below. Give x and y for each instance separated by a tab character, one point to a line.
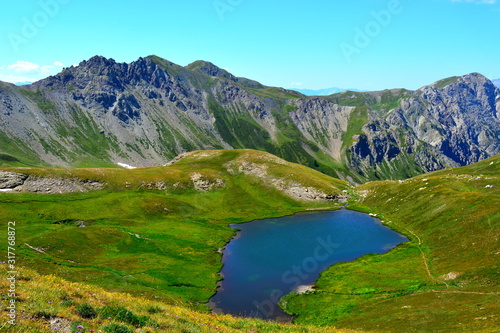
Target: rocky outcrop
18	182
202	183
322	122
11	180
432	128
300	192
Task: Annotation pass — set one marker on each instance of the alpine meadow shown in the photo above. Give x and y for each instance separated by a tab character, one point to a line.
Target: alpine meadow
145	190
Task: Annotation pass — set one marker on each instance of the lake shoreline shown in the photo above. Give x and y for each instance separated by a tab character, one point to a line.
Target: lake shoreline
234	290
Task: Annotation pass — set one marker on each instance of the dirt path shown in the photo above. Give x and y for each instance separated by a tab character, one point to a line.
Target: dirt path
464	292
424	258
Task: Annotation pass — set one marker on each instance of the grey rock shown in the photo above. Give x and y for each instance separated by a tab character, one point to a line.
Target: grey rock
149	111
433	128
34	184
80	224
10	180
202	183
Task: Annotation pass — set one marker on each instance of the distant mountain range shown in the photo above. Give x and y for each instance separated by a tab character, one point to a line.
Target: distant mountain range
496	82
24	83
104	113
323	92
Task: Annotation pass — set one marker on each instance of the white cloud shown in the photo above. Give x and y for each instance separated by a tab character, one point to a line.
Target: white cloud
296	83
25	71
24	67
16	79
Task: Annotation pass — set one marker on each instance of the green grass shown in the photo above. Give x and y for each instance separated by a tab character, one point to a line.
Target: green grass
44	105
13	153
272	92
244	132
357	119
162	245
446	279
42	299
81	144
166	65
446	82
156	243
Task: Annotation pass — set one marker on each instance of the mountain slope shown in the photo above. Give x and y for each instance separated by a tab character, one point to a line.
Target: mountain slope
76	307
446	279
102	113
153	232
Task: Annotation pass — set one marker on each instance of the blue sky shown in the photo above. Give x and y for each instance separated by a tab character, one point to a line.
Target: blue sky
364	44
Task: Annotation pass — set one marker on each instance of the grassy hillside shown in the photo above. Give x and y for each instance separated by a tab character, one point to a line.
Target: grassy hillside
446	279
51	304
155	232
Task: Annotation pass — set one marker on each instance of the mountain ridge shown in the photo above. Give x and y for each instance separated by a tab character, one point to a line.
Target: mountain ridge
101	113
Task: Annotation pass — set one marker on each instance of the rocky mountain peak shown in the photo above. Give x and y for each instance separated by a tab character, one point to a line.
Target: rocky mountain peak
477	80
97	62
150	110
210	69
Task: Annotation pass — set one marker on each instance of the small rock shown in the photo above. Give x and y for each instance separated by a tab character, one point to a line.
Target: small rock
80	224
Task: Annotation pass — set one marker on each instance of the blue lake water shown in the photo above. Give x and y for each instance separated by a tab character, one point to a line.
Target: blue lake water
270	258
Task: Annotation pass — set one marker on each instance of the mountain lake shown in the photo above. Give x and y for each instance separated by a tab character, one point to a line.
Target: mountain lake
270	258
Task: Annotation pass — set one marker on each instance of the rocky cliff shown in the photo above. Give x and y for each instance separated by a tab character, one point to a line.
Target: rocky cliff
101	113
449	123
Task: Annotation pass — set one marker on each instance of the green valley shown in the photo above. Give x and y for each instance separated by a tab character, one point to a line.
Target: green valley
446	279
148	241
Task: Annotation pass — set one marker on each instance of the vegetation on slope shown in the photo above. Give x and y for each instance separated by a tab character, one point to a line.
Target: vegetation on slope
446	82
155	232
51	304
446	279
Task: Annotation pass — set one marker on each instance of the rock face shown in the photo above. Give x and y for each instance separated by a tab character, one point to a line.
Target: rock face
203	184
149	111
434	127
11	180
18	182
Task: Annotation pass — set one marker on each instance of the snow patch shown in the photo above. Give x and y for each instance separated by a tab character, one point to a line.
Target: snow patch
126	166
